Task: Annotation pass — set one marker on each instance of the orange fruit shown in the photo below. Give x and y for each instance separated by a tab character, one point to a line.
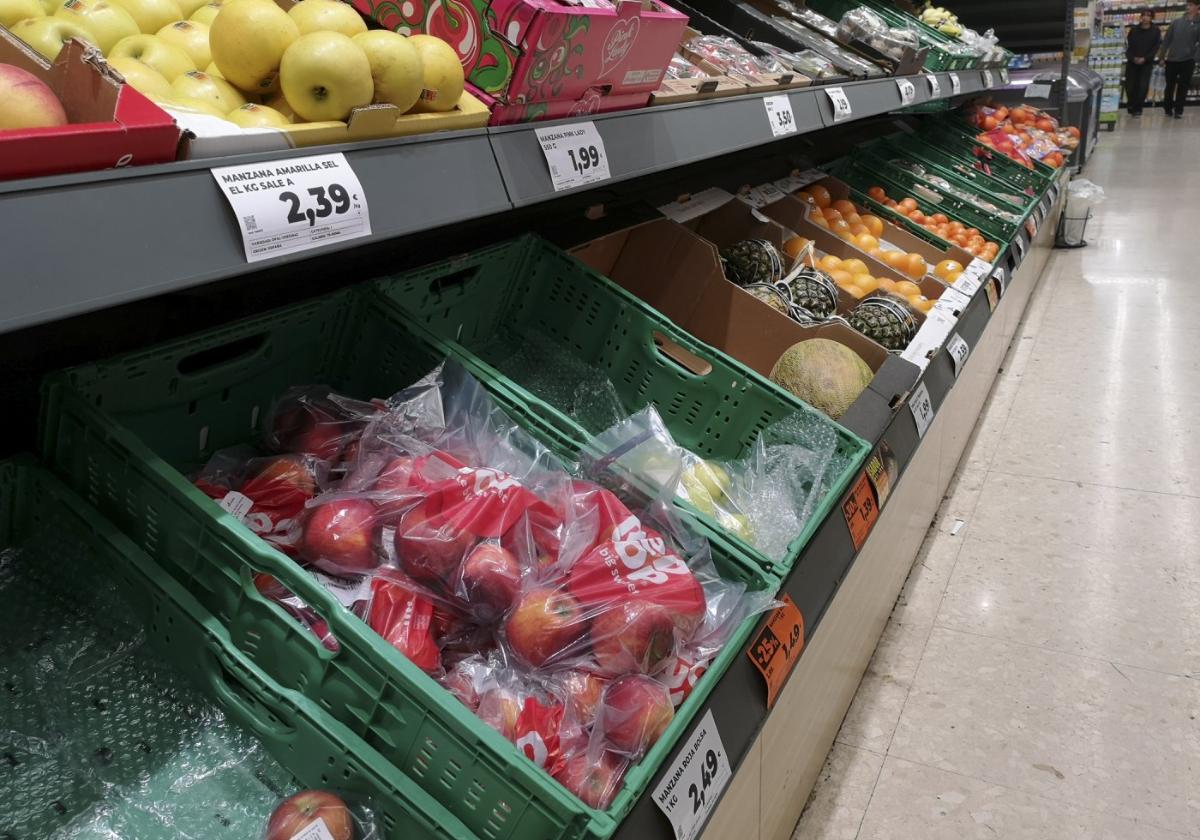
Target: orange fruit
841	278
865	282
844	207
855	266
855	291
839	226
866	242
852	217
918	217
940	218
887	284
846	235
916	266
819	220
905	289
829	263
877	193
858	229
821	196
908	204
874	224
955	228
877	253
805	196
830	214
950	276
921	302
794	246
945	267
895	258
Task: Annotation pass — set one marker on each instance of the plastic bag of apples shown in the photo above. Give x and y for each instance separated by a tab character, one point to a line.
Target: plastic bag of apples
322	815
566	621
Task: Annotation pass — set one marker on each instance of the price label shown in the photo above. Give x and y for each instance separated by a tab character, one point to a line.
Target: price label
236	504
955	84
1001	280
929	338
951	302
860	511
958	349
777	646
1038	90
1019	246
988	81
881	470
972	277
779	115
800	180
689	789
841	105
575	155
908	92
314	831
935	86
1004	75
762	195
293	205
921	407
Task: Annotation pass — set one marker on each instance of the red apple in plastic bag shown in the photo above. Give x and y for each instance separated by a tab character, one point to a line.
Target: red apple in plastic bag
594	781
543	624
403	618
537	732
491	579
633	636
300	425
634	713
301	810
430	546
682	675
583	691
339	535
499	708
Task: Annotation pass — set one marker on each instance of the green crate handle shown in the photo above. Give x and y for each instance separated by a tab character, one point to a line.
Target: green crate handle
235	352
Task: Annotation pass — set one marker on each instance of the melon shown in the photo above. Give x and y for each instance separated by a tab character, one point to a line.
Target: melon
825	374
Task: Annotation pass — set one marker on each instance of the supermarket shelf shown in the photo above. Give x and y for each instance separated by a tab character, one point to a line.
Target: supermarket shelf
132	232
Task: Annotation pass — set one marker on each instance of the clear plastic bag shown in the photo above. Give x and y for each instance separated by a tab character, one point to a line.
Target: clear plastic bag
727	54
322	815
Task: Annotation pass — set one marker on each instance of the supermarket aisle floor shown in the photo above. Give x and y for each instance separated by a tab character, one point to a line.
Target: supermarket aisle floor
1040	675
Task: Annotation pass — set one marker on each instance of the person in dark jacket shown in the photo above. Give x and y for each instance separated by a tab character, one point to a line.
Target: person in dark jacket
1180	49
1140	48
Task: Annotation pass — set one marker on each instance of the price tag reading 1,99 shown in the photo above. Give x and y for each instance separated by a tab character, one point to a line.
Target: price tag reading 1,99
908	92
575	155
689	789
292	205
779	115
921	407
841	105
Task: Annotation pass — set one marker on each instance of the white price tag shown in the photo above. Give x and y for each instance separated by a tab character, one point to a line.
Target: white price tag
922	408
779	115
1001	280
313	831
236	504
929	338
988	81
958	350
908	93
347	590
687	792
935	86
841	105
952	302
955	84
1038	90
293	205
1004	75
575	155
973	276
1019	245
692	206
762	195
800	180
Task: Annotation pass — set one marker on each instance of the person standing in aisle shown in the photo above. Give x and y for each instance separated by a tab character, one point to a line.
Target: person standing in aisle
1180	48
1140	48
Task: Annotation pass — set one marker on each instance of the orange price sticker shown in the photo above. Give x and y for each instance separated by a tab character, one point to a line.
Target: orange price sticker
777	647
860	511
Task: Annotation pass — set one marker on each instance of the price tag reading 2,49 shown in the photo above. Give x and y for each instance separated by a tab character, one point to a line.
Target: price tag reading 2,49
841	105
689	789
575	155
908	92
779	115
296	204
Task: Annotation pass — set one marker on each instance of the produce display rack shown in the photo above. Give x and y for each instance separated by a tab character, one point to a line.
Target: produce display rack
170	223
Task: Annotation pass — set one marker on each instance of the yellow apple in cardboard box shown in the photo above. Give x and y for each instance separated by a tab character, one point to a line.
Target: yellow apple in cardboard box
327	16
167	59
48	34
105	21
187	105
248	39
280	104
253	115
144	78
49	7
191	37
207	13
26	101
395	67
324	75
152	15
442	86
198	85
12	11
187	8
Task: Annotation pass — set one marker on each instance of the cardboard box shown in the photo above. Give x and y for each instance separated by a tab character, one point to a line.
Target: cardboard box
522	53
754	82
592	102
111	124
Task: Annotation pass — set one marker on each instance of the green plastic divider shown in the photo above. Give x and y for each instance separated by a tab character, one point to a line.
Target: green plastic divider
994	163
306	741
125	431
953	124
953	169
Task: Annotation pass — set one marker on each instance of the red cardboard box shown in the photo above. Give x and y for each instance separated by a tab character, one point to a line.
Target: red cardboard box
538	59
111	124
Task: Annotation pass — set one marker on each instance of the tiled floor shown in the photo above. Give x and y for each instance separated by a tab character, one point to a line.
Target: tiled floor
1040	675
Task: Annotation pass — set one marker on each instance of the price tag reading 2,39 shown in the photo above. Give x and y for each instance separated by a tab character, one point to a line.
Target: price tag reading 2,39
689	789
908	92
779	115
922	408
575	154
777	646
841	105
293	205
958	350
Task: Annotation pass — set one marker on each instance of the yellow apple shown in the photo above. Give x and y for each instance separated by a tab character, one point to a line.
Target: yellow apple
187	105
248	39
12	11
106	22
197	85
144	78
152	15
187	8
395	67
48	34
324	75
50	6
327	16
191	37
207	13
212	70
280	104
443	74
253	115
167	59
26	101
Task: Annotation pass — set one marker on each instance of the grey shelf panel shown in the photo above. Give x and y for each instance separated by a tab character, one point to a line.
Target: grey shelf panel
107	238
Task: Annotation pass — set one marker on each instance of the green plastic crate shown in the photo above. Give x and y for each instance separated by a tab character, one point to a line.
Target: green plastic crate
317	750
125	431
999	165
956	124
947	166
481	306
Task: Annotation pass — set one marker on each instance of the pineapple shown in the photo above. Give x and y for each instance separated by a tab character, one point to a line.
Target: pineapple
752	261
775	297
885	320
814	291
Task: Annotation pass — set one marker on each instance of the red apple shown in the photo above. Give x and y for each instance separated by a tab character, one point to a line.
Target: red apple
429	547
396	476
634	636
583	690
499	708
491	579
283	483
302	425
339	535
594	782
543	624
634	713
303	809
26	101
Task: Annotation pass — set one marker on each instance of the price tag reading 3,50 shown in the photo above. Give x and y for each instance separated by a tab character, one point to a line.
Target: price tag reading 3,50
935	86
841	105
689	789
922	408
292	205
575	155
779	115
958	349
955	84
908	93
